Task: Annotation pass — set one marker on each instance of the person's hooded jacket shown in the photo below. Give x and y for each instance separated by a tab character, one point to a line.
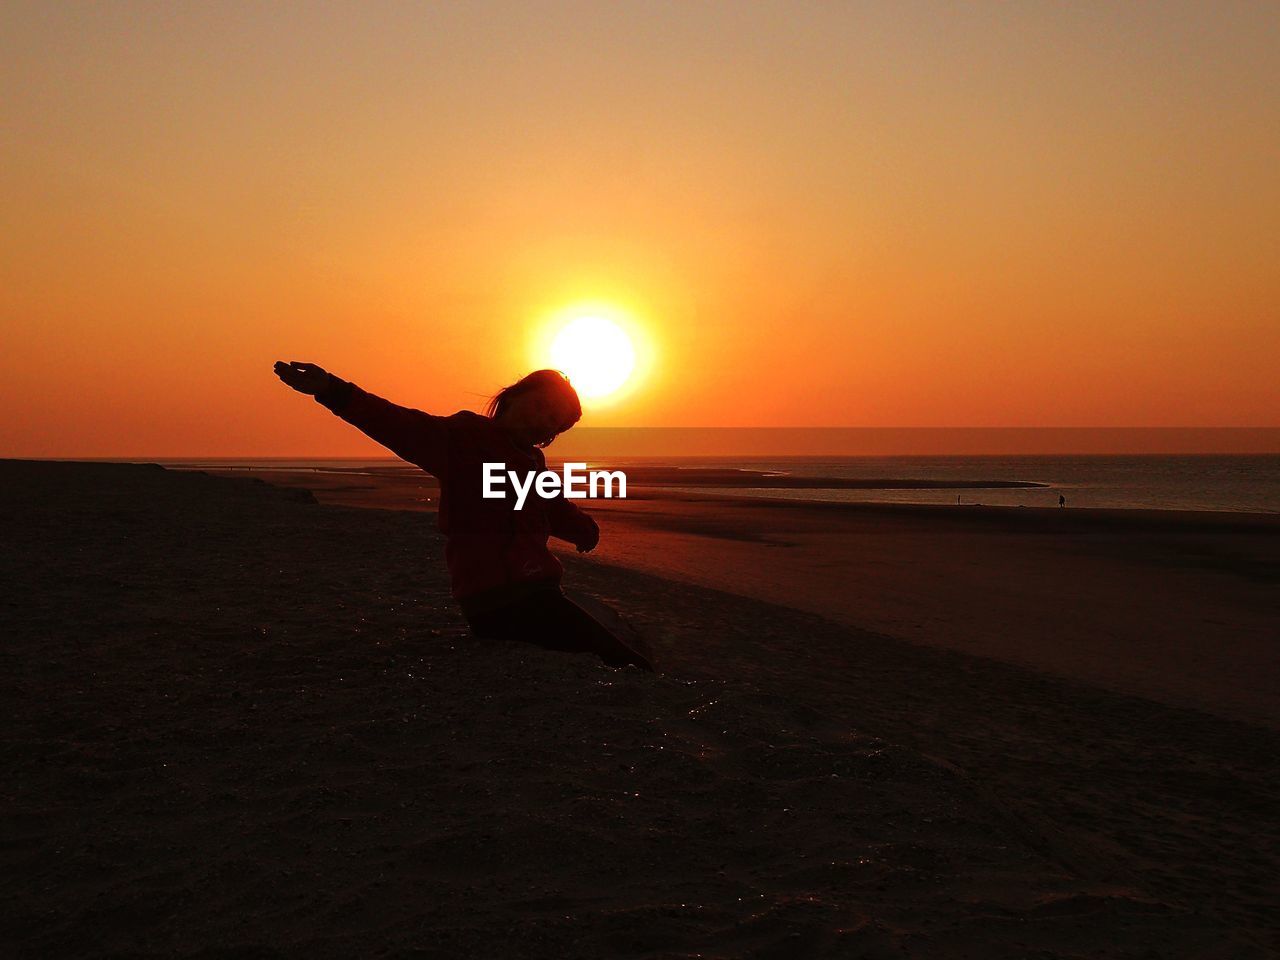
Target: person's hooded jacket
494	552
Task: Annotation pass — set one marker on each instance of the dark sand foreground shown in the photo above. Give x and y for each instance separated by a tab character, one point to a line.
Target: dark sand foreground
239	723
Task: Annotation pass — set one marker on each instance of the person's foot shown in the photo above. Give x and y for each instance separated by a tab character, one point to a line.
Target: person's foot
625	656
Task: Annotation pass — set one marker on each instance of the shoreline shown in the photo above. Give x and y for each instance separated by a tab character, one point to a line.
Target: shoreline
1138	516
674	482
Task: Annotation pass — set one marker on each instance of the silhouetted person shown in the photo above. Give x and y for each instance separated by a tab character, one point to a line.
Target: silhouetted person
503	576
1062	501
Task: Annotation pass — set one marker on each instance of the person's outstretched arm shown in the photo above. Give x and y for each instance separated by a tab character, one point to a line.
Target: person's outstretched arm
412	435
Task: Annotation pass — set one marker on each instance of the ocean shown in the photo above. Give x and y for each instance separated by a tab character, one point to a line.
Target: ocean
1241	483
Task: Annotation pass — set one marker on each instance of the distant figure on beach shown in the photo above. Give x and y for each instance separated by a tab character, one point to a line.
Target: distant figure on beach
503	576
1062	501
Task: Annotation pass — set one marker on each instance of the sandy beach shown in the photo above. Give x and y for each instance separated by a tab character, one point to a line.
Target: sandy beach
246	720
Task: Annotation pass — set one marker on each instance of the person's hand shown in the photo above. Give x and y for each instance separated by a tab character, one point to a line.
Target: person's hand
308	378
593	537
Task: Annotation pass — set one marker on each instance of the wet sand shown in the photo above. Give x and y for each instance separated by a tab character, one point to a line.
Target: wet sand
244	723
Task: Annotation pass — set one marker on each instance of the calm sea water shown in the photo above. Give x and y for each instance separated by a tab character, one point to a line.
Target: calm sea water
1249	484
1241	483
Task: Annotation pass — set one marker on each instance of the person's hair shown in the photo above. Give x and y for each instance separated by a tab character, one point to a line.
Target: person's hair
550	382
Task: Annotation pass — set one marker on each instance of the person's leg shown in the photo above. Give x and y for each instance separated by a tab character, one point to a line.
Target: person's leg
561	624
550	619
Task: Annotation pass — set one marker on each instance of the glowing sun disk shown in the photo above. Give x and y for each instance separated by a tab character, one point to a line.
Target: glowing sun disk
595	354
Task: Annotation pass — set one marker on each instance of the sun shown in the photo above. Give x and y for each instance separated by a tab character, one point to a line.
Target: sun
595	354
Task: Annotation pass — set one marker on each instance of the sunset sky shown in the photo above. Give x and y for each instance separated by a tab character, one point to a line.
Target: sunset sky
805	214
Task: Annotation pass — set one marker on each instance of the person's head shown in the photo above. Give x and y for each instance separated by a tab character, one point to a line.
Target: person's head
537	408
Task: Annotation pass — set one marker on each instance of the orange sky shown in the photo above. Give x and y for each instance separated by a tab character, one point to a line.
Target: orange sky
818	214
